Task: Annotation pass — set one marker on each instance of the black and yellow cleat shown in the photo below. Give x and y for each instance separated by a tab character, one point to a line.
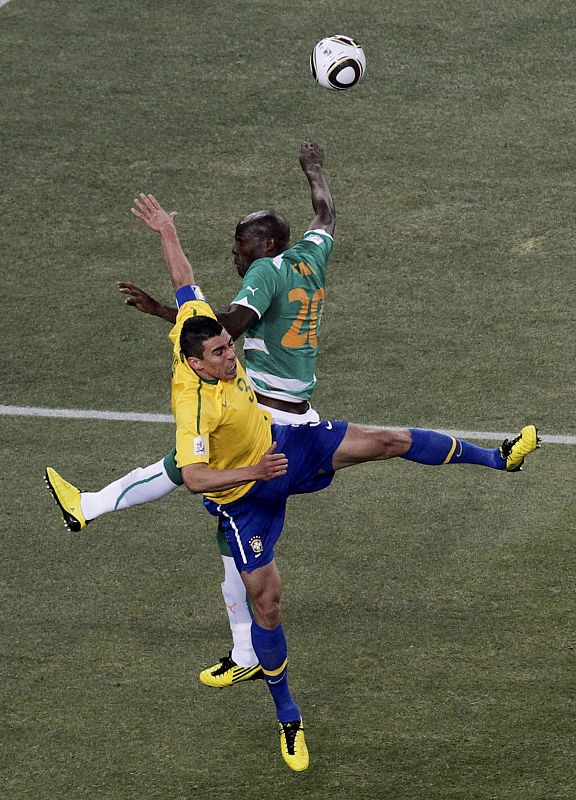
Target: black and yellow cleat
227	672
67	497
293	745
514	451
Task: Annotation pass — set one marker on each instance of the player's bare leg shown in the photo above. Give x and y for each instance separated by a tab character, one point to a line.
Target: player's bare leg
264	587
364	443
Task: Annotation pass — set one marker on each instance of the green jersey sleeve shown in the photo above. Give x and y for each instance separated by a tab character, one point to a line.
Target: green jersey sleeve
259	286
316	245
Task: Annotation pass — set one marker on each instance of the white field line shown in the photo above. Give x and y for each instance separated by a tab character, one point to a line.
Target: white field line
127	416
3	2
83	413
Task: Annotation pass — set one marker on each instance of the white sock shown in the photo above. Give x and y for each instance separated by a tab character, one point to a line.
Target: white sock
142	485
239	617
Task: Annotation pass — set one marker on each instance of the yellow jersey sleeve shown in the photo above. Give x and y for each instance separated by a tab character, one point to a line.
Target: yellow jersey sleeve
193	399
196	417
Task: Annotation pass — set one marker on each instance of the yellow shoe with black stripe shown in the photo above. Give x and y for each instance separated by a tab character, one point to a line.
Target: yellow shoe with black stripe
514	451
67	497
293	745
227	672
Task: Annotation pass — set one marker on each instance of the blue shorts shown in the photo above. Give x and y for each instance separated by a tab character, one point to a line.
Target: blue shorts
253	523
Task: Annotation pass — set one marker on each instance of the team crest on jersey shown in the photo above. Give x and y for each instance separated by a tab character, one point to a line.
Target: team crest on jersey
199	446
256	545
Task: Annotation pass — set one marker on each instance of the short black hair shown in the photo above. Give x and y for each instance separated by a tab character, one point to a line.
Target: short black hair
195	332
267	224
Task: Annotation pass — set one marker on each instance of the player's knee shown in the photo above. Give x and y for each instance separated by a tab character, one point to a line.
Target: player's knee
393	443
267	611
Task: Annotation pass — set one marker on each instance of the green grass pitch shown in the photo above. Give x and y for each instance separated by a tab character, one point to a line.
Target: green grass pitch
429	613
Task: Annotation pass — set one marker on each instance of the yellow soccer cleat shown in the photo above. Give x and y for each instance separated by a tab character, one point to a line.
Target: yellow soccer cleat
68	499
293	745
227	672
514	451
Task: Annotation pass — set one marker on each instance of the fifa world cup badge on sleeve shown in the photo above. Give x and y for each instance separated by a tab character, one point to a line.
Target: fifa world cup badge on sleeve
199	446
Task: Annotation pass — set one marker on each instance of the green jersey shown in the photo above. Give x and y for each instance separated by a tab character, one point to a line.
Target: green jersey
287	293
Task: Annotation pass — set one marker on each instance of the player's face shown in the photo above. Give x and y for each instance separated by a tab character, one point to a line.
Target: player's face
246	250
219	361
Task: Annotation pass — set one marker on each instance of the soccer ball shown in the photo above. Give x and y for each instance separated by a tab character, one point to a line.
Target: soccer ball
337	62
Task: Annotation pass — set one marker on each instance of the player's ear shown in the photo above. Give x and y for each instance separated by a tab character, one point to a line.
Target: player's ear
195	363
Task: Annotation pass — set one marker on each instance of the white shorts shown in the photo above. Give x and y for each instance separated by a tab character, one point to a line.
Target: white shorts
287	418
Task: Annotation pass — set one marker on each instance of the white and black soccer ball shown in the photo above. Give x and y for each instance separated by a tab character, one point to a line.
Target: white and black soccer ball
337	62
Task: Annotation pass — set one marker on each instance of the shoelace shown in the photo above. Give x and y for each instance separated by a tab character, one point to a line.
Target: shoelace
290	730
226	663
508	444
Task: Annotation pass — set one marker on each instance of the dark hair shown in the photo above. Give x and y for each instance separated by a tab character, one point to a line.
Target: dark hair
268	224
195	332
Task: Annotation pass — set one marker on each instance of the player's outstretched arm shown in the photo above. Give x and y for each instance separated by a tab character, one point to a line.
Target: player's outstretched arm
236	320
138	298
200	478
312	163
149	210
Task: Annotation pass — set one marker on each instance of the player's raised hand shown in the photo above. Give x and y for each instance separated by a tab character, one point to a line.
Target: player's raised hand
311	156
149	210
312	163
272	465
138	298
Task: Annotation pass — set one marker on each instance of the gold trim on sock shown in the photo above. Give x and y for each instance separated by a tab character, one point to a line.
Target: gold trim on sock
451	453
272	673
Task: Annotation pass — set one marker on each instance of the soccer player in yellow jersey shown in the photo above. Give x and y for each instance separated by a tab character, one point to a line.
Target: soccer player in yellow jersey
246	468
278	310
213	403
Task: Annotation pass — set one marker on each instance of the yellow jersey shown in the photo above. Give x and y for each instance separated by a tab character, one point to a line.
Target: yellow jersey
218	423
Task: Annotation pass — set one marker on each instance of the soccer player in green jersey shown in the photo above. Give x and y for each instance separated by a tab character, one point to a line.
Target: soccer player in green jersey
278	308
246	467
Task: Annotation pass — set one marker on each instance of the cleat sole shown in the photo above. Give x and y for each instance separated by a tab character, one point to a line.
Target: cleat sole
72	527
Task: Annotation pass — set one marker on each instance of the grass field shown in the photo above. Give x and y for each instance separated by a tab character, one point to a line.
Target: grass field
429	613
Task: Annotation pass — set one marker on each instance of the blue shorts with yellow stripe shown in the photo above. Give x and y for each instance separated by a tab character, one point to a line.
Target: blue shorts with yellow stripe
253	523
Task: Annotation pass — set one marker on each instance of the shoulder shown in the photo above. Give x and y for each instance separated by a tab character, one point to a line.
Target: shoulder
318	236
262	266
316	242
314	248
196	309
263	272
189	390
192	308
188	309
